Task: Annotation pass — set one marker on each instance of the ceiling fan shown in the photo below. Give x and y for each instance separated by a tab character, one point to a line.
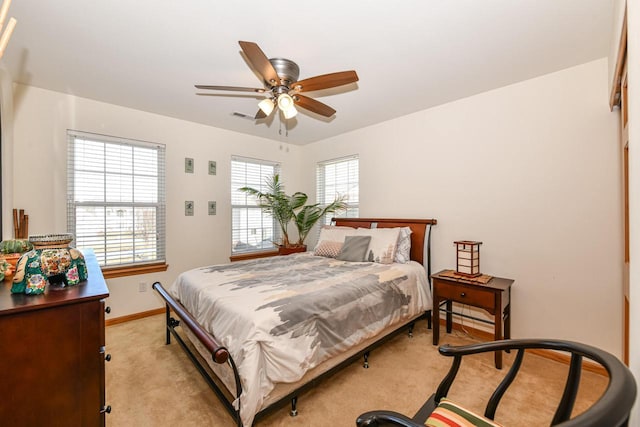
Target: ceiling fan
281	84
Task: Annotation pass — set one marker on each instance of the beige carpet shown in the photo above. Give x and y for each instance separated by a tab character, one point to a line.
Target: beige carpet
151	384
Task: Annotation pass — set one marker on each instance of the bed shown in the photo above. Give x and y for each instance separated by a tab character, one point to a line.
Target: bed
264	330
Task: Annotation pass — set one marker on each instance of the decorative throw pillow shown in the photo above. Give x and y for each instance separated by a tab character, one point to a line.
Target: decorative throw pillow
403	251
334	233
328	248
384	241
449	413
354	248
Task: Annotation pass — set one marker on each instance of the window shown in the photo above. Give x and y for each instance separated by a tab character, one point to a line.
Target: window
336	178
251	229
116	198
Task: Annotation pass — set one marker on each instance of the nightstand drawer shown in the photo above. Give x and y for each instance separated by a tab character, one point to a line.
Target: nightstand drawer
472	295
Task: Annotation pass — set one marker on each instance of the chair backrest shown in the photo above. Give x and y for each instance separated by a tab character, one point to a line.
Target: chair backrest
611	409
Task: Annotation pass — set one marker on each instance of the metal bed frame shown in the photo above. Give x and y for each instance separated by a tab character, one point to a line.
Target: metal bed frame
421	232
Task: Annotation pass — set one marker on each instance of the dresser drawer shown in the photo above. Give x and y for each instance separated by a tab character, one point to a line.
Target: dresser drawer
473	295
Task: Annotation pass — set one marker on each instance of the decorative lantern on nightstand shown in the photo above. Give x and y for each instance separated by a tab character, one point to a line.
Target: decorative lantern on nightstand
468	258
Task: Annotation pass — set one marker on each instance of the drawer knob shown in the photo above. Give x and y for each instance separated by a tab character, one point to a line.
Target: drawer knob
107	310
462	294
108	357
105	409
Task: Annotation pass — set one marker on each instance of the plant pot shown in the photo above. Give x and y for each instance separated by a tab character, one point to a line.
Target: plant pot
12	259
287	250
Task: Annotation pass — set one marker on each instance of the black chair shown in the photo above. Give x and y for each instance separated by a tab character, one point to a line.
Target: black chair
611	409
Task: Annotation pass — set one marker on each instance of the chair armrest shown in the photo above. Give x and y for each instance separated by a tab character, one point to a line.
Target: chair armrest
385	418
611	409
517	344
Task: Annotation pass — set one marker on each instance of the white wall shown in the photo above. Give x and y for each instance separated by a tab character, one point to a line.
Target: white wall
6	107
633	74
533	171
41	119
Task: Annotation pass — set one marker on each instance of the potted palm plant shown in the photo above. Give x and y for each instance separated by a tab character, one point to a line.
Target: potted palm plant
285	209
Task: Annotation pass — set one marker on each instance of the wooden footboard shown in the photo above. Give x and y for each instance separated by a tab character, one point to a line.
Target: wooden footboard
219	354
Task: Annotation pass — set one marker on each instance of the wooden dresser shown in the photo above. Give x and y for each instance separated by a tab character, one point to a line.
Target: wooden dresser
52	354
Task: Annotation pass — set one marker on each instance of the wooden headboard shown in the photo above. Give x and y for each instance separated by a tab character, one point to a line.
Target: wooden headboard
420	230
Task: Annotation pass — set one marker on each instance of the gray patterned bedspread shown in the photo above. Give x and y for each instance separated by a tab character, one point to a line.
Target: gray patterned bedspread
281	316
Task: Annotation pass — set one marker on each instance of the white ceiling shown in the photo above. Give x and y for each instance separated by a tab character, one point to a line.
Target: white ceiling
410	55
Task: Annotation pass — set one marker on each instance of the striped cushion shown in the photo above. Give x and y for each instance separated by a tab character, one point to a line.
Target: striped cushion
449	414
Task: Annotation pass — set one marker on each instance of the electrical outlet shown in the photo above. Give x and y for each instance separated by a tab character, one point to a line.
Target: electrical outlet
142	287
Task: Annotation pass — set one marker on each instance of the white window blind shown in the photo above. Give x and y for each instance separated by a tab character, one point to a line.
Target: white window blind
251	229
116	198
339	177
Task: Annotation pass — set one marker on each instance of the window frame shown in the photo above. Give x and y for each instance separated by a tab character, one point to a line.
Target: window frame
259	183
158	262
353	206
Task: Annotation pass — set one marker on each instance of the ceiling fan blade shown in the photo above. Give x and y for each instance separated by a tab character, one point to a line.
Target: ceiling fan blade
260	62
325	81
234	88
313	105
260	115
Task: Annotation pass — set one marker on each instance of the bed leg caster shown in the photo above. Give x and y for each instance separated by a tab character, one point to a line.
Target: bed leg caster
411	330
365	365
294	410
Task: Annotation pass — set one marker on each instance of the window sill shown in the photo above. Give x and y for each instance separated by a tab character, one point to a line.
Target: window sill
132	270
252	255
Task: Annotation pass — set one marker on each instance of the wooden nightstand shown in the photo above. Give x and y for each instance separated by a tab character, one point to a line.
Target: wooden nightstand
494	297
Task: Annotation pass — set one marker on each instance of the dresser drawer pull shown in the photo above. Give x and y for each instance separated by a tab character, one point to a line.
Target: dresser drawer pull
462	294
107	310
108	358
105	409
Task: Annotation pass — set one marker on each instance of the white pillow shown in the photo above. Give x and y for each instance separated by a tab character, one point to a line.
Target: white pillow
384	241
403	253
333	233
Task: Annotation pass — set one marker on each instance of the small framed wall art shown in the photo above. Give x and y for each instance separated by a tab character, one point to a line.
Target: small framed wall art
212	167
188	165
188	208
212	208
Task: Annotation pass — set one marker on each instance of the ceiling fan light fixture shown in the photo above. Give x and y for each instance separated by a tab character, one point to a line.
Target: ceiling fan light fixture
285	102
290	112
267	105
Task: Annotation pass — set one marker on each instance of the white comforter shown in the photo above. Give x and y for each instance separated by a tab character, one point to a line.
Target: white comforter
281	316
